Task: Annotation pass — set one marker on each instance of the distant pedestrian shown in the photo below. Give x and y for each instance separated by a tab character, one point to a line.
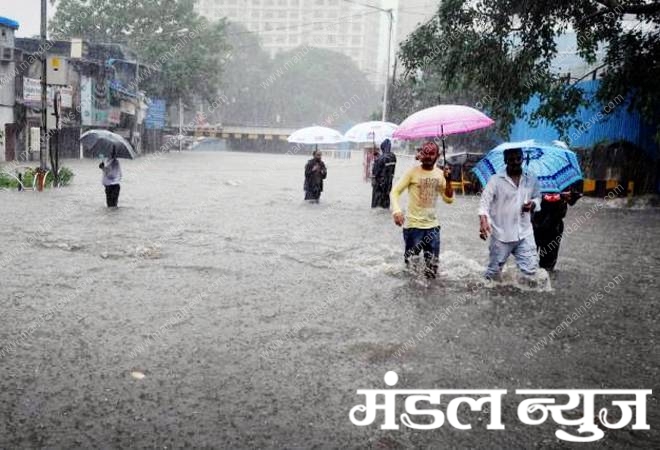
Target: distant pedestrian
507	203
315	173
422	231
375	192
111	178
549	225
383	174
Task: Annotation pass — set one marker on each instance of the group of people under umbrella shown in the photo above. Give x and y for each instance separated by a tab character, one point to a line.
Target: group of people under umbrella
522	205
527	187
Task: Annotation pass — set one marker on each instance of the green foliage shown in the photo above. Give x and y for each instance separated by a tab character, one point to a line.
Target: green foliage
248	65
66	175
503	50
320	86
9	182
174	62
297	88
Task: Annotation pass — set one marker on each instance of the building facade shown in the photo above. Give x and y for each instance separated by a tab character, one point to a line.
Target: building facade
347	27
7	88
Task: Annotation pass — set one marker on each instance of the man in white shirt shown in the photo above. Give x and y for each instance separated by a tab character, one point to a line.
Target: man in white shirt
505	210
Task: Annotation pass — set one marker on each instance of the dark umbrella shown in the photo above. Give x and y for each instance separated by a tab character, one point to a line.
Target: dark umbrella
102	142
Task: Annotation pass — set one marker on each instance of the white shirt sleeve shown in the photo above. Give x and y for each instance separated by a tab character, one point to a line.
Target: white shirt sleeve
536	194
487	196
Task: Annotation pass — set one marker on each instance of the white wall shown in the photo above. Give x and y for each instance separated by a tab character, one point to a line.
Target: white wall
6	116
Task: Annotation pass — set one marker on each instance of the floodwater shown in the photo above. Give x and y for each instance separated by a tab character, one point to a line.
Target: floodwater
214	308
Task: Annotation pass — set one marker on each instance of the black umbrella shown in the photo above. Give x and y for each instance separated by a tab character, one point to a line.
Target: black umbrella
102	142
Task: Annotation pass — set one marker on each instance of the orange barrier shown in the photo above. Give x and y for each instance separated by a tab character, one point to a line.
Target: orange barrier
589	185
611	184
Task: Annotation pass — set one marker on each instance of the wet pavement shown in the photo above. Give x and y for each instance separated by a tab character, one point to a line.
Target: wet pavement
214	308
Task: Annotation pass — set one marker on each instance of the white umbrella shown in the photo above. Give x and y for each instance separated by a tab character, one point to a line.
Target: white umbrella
374	132
316	135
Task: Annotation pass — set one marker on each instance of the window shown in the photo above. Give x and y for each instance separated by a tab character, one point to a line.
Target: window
355	40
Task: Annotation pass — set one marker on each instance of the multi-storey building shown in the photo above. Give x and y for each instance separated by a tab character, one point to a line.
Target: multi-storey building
351	28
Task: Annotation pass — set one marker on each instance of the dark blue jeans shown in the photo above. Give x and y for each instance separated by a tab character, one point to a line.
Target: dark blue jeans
425	240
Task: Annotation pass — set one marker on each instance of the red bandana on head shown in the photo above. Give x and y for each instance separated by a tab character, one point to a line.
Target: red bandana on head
429	151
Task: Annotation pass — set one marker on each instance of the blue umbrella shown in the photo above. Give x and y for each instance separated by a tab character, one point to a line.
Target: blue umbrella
555	166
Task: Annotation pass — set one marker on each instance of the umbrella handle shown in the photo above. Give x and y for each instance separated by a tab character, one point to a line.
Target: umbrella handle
527	157
444	152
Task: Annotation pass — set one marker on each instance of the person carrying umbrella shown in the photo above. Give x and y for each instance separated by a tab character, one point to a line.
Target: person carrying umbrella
422	230
111	178
383	174
97	143
506	205
315	173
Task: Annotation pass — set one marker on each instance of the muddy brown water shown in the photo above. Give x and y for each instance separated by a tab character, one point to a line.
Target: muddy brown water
254	317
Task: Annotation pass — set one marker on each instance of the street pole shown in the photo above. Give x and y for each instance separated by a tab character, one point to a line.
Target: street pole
387	68
43	142
137	104
180	124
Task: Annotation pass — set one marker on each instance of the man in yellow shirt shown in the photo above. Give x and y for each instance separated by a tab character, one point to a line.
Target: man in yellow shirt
422	230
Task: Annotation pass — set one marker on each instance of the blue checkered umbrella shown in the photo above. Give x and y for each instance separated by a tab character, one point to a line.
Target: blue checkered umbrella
555	166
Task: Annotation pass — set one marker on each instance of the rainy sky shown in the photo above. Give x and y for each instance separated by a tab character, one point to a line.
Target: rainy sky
27	13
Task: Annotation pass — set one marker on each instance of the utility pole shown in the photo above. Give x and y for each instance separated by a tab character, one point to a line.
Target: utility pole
387	68
180	123
43	142
137	105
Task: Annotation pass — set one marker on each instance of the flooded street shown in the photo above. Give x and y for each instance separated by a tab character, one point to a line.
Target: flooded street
214	308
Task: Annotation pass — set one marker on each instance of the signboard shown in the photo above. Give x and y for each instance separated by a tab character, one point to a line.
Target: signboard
32	93
155	119
57	69
66	94
100	117
86	100
100	102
